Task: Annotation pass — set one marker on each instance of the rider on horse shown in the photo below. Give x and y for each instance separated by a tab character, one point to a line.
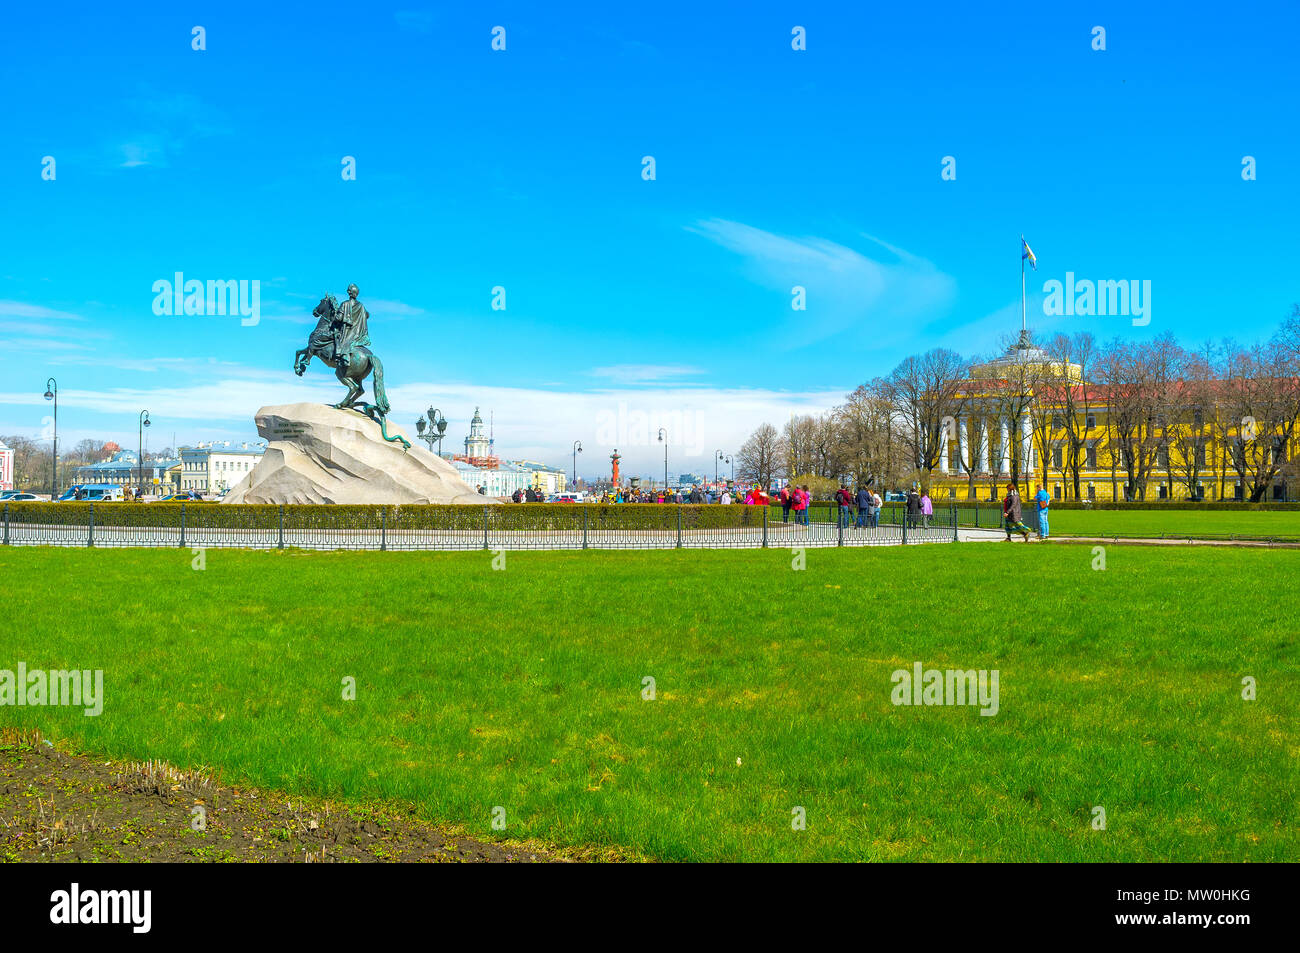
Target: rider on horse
350	328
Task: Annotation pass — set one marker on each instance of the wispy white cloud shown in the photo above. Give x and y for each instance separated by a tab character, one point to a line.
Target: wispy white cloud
643	373
21	309
163	124
845	287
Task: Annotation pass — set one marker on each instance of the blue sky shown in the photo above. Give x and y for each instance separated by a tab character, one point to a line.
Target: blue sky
649	302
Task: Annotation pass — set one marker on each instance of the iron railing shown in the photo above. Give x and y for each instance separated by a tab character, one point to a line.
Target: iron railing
493	526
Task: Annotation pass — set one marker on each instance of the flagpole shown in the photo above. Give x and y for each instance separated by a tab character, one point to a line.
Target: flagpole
1022	284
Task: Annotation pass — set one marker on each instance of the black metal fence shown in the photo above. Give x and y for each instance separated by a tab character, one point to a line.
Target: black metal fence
494	526
974	515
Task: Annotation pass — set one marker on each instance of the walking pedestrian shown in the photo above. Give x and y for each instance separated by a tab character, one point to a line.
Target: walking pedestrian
1011	513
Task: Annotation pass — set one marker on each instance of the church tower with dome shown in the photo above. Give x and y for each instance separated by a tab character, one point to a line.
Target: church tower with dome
478	444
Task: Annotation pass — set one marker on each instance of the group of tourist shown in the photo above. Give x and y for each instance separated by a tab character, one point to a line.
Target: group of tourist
694	495
528	495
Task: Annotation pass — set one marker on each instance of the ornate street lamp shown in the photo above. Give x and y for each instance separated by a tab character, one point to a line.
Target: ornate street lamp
718	456
52	393
144	422
437	425
577	449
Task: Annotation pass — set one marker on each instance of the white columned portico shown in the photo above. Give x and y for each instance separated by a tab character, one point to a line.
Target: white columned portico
1027	443
984	466
943	450
1005	448
962	459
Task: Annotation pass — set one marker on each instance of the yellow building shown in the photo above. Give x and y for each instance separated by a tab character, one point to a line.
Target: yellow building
1021	414
544	478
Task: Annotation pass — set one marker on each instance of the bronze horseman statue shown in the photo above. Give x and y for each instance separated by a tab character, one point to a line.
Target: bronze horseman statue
342	341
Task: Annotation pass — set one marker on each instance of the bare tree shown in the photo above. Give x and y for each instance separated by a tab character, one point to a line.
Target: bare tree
1191	417
758	458
926	394
1073	395
870	444
1263	396
33	466
1133	407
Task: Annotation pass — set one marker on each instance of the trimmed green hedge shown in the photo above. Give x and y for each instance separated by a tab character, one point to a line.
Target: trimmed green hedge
499	516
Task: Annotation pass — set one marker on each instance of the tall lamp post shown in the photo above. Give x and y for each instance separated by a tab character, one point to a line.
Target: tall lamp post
144	422
577	449
663	438
716	458
437	425
52	393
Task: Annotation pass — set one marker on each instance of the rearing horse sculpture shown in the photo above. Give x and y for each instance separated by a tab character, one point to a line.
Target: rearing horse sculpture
359	363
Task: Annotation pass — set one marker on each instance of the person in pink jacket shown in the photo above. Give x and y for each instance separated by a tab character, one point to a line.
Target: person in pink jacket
800	507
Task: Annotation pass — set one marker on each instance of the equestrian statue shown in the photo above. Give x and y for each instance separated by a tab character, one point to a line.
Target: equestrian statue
342	341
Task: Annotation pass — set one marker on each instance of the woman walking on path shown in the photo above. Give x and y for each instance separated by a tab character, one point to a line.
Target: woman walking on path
1011	514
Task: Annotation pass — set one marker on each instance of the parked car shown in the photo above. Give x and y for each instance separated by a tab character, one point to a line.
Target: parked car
13	496
184	497
92	493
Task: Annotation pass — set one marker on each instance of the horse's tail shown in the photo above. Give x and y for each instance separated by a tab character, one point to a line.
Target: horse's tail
381	395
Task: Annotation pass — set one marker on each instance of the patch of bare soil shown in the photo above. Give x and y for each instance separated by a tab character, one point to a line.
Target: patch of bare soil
69	807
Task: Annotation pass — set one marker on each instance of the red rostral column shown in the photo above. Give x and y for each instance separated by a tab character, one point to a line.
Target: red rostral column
614	458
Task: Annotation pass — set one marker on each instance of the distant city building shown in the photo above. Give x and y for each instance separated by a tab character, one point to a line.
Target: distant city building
691	478
480	465
550	480
123	468
217	466
500	480
6	467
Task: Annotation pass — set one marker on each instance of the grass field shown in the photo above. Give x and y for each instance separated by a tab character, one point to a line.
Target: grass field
522	689
1204	524
1283	524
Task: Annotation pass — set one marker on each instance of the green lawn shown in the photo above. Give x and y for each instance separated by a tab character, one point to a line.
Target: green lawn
1279	524
1197	523
522	689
